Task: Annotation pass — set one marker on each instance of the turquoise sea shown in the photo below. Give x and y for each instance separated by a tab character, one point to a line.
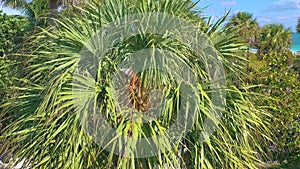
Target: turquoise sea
296	42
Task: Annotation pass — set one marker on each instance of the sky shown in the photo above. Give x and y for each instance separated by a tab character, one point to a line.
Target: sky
9	10
265	11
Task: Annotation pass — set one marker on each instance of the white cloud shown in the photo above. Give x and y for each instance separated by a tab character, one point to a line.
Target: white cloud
281	17
264	20
284	5
228	3
237	11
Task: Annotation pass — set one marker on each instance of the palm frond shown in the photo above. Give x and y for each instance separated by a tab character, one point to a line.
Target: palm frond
53	118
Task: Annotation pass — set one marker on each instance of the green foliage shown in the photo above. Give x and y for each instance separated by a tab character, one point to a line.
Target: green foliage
46	131
12	32
281	82
274	38
36	11
246	26
276	71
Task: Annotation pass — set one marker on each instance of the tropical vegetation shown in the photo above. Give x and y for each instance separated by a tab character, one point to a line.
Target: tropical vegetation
274	68
43	122
274	38
247	27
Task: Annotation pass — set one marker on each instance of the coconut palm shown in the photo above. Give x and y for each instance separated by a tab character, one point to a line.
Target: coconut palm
48	126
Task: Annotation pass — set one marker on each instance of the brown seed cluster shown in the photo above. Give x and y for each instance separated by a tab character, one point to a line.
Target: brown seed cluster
139	97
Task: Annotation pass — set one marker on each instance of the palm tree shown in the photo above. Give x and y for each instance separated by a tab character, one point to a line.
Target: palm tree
47	131
247	27
27	7
274	38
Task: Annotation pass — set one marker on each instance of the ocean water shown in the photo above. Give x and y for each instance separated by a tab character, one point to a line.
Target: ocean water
296	42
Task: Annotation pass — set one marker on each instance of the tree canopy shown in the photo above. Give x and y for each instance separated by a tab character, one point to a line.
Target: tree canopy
246	26
274	38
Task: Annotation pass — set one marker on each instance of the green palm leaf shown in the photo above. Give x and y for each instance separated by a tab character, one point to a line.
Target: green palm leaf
47	130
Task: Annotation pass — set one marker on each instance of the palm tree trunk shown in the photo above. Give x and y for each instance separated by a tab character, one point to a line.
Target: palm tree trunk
53	8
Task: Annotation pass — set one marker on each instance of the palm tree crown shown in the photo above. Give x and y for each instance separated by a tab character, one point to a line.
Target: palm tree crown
274	38
246	26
